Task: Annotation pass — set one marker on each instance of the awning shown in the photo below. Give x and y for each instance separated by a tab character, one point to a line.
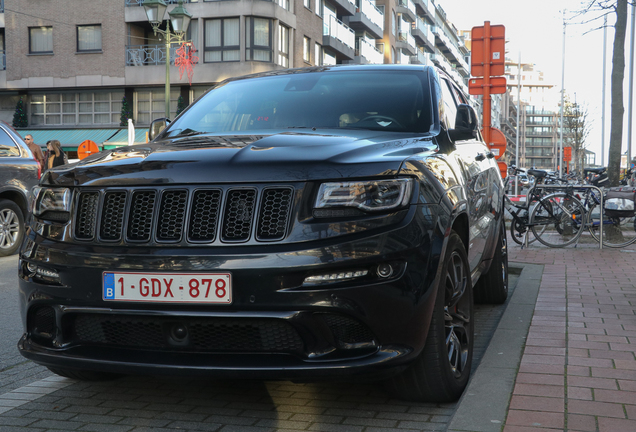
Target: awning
121	138
70	138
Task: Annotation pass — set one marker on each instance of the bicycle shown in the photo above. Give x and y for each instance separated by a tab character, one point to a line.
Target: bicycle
555	219
619	220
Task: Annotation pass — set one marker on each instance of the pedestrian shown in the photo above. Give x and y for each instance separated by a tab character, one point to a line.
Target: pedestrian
35	149
55	156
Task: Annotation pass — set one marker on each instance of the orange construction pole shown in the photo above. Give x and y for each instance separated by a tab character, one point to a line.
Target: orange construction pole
486	99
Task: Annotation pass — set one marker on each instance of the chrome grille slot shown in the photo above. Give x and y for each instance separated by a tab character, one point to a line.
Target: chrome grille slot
113	216
140	220
86	216
239	212
274	211
172	215
204	215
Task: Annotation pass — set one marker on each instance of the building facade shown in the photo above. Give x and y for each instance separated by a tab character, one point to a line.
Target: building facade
72	65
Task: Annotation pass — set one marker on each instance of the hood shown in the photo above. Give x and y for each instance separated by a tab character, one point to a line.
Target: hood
283	157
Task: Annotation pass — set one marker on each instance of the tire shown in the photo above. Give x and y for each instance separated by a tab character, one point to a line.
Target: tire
83	375
617	231
11	227
492	287
558	220
440	373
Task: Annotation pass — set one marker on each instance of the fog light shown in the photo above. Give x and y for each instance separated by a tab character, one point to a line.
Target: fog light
385	270
31	269
52	274
334	277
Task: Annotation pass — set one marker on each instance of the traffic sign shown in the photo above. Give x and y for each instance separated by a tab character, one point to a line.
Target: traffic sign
567	154
497	54
498	142
86	149
497	86
503	169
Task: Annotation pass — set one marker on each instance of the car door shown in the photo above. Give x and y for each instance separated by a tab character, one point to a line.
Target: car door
478	165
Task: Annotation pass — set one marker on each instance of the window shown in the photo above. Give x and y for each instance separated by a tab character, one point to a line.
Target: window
307	3
393	23
283	45
306	49
7	146
319	7
41	40
87	108
221	40
151	104
259	39
89	38
318	54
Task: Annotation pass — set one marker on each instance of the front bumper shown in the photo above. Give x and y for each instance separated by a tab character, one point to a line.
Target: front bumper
369	325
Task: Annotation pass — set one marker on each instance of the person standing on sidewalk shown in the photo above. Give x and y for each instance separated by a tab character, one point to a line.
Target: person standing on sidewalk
35	149
55	156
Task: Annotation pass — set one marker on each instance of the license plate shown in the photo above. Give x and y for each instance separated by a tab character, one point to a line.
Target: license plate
168	287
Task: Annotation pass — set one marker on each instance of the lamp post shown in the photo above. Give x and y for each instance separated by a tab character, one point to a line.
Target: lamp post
179	19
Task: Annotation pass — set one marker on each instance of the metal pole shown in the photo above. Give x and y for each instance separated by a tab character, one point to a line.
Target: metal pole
168	70
560	158
603	92
631	92
518	124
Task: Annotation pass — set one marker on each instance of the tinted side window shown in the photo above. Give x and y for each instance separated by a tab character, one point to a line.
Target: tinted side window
7	146
450	107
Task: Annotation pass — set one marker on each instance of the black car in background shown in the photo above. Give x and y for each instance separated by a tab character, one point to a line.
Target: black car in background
301	224
19	172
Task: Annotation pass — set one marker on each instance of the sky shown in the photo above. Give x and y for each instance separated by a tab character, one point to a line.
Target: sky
534	30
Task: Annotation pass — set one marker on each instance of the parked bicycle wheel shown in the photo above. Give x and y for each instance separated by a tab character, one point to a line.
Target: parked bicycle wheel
558	220
617	231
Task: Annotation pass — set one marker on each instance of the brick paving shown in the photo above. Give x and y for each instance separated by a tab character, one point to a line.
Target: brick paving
578	369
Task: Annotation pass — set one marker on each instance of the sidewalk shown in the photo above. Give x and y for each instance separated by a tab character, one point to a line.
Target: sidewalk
577	371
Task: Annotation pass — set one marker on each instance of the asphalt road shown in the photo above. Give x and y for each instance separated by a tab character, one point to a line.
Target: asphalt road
15	370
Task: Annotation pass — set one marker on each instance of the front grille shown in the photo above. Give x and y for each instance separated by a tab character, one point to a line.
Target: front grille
42	321
347	331
202	335
207	215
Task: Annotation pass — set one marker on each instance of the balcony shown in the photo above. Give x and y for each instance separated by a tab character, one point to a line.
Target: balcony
139	2
148	55
404	58
421	31
407	9
344	8
339	37
368	18
369	53
406	42
421	58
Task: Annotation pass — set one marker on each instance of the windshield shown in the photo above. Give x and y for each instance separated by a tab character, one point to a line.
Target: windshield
375	99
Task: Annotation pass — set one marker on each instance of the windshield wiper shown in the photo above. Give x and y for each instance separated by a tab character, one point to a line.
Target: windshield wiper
186	133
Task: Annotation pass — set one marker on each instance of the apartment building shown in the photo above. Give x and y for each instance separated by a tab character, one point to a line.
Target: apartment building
72	63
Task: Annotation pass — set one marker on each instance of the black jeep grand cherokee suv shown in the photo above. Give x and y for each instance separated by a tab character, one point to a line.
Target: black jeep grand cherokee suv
331	221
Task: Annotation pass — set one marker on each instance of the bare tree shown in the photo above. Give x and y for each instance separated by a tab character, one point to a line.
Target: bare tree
598	9
577	127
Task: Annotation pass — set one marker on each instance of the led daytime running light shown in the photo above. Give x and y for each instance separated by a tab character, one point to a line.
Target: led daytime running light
331	277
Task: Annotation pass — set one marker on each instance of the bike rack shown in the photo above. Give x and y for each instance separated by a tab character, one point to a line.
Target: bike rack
563	187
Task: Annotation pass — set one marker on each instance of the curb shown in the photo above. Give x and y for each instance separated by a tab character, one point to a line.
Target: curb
484	404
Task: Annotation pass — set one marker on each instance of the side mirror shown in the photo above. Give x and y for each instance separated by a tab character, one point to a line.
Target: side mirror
156	127
466	125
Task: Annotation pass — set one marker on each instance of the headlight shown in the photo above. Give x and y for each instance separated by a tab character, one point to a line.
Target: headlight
369	196
52	204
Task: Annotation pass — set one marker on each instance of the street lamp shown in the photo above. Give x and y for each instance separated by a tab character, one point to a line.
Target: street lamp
179	19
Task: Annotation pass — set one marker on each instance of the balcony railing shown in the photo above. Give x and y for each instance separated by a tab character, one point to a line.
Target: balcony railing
420	58
370	52
337	29
368	8
408	4
404	58
139	2
406	36
148	55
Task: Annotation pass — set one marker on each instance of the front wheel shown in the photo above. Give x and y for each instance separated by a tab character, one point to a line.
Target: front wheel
557	220
11	227
440	373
